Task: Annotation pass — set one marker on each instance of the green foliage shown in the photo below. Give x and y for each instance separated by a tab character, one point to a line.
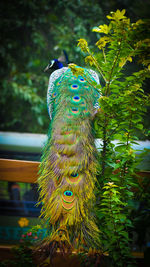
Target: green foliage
32	34
114	226
22	257
22	254
140	214
23	87
123	104
22	95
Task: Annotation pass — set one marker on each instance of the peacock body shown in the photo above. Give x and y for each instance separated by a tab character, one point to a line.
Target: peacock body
68	168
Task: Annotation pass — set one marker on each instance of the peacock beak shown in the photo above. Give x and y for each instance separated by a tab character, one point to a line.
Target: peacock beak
50	65
47	68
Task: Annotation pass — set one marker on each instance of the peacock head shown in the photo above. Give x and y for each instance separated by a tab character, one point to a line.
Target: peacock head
54	64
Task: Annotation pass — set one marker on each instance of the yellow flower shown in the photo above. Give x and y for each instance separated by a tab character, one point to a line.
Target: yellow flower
83	45
23	222
135	25
129	58
76	70
103	41
103	28
118	15
89	60
111	184
130	152
124	60
140	21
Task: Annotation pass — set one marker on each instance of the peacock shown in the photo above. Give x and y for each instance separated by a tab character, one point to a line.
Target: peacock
58	63
69	163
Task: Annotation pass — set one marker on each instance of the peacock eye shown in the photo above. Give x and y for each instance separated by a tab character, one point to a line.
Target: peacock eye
76	98
58	83
81	80
74	86
74	175
68	193
74	109
74	78
54	94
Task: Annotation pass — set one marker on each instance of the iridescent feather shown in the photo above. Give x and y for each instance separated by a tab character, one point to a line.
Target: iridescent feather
68	168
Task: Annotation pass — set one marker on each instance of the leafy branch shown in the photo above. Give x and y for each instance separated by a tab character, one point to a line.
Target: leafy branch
122	105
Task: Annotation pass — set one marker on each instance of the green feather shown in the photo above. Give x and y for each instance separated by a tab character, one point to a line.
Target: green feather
69	162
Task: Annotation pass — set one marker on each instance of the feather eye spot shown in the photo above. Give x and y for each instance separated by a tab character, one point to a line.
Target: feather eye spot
74	175
68	193
75	110
74	78
74	178
74	86
86	111
76	98
59	83
67	206
54	95
82	80
68	200
83	104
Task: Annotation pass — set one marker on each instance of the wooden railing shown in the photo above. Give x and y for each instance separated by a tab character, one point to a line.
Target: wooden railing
27	171
18	170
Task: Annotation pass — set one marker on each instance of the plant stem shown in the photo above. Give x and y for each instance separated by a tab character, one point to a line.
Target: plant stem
115	228
104	147
104	55
98	66
112	69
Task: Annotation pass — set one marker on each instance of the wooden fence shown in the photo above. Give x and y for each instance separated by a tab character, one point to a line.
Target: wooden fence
27	171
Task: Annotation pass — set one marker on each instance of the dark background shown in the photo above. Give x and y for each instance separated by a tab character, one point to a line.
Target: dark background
32	33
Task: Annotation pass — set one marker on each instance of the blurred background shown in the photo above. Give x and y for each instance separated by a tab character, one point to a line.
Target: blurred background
32	33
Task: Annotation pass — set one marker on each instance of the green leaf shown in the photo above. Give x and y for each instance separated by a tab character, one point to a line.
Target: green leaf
139	126
120	148
125	234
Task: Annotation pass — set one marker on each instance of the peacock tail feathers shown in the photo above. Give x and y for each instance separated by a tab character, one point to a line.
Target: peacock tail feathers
69	162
